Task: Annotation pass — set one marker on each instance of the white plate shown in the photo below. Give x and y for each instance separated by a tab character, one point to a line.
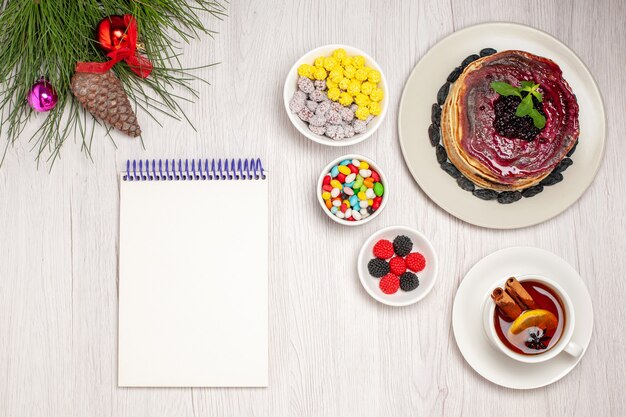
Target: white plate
414	118
467	316
427	277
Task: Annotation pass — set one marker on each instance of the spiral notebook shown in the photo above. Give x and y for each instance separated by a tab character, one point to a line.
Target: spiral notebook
193	274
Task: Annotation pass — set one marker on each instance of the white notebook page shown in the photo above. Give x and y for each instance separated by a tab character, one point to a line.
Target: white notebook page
193	283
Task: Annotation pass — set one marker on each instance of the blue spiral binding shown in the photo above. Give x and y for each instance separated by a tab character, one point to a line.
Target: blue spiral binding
194	170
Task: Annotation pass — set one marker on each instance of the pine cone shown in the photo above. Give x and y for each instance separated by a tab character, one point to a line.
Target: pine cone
104	97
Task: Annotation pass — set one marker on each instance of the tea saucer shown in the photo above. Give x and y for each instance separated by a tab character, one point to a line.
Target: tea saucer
467	316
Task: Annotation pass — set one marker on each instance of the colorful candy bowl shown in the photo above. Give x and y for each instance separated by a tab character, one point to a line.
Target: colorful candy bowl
352	195
291	87
426	273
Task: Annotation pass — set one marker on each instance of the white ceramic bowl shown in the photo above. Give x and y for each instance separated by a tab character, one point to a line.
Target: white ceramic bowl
291	85
373	165
427	277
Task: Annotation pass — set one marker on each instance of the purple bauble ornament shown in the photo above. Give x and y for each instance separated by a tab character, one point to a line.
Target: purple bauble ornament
41	96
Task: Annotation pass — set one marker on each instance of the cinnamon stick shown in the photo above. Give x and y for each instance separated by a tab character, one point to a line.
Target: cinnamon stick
505	303
519	294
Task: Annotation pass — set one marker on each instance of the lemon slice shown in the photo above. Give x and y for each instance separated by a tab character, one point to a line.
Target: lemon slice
534	318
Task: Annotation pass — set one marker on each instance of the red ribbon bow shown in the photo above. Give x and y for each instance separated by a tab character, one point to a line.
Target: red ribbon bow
127	51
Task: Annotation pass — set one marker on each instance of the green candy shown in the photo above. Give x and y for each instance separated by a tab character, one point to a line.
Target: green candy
357	184
379	189
363	188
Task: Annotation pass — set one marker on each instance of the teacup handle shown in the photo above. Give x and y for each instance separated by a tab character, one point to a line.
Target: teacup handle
573	349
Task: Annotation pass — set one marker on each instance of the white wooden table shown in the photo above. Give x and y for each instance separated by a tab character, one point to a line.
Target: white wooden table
333	350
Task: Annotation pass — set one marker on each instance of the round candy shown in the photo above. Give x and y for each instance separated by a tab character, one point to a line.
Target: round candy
320	74
350	192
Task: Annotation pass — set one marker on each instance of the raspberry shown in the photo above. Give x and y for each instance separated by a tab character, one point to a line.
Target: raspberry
409	281
415	262
378	267
402	245
389	284
383	249
397	266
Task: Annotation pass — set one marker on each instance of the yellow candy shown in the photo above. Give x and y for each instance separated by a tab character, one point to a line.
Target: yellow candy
362	112
358	61
377	94
361	99
319	74
326	195
336	184
330	63
336	75
330	84
354	87
339	54
349	71
361	196
334	93
345	99
361	74
374	107
370	202
319	62
305	70
374	76
346	202
367	88
364	165
347	60
344	170
343	84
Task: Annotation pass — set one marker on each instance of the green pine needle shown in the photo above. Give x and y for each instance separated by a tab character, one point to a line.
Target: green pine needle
48	37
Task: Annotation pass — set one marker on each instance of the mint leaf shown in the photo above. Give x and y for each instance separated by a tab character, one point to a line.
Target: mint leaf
525	106
527	84
537	95
505	89
538	119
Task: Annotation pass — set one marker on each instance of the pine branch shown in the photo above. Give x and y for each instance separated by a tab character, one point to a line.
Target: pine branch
39	40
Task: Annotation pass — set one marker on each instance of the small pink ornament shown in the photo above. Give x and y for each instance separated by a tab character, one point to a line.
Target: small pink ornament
42	97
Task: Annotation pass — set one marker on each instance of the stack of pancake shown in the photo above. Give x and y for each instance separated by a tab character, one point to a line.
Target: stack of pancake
489	159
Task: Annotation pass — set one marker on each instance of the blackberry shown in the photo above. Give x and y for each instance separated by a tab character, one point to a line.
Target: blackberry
409	281
511	126
487	51
402	245
378	267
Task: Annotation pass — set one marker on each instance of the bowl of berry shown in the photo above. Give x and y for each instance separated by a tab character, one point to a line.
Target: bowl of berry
352	190
397	266
335	95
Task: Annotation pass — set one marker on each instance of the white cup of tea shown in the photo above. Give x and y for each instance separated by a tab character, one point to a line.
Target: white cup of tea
564	344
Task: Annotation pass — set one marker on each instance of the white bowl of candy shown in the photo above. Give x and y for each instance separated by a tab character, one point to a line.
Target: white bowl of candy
336	95
352	190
